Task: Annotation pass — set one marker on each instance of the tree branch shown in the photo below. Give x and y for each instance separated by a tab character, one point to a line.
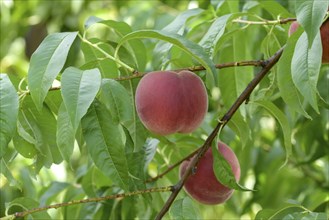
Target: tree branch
225	119
97	199
137	74
170	168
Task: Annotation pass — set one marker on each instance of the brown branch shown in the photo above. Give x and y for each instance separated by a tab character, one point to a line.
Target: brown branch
243	96
97	199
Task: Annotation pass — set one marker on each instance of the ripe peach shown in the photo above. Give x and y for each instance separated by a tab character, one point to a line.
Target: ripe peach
324	31
203	186
168	102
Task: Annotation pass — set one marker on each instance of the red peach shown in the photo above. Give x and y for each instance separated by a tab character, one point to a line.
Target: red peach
168	102
203	186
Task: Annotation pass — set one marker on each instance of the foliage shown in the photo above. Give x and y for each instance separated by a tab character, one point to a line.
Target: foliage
69	129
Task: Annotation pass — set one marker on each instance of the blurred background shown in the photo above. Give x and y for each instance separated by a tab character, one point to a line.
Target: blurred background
24	24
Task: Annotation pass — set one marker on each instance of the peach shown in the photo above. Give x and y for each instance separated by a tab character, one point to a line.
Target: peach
203	186
324	31
168	102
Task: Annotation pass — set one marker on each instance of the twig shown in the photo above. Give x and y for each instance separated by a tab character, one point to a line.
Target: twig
243	96
266	22
98	199
200	68
170	168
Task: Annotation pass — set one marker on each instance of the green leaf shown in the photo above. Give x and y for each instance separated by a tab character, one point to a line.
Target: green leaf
191	48
162	49
232	81
278	214
24	143
91	21
310	15
136	48
8	112
105	142
46	63
306	216
240	127
184	209
223	170
117	100
41	126
275	8
5	171
28	204
287	88
178	23
79	88
305	68
65	133
51	192
215	31
283	121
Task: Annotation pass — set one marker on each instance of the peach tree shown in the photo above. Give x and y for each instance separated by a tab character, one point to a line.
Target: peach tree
180	110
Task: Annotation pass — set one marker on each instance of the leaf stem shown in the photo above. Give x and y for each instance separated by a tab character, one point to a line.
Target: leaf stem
265	22
129	68
222	122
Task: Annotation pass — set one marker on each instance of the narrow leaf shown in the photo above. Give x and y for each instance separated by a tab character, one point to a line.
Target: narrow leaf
105	143
223	170
41	126
305	68
194	50
8	112
46	63
79	89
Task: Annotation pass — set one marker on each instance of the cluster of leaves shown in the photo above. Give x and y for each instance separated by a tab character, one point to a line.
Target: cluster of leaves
85	115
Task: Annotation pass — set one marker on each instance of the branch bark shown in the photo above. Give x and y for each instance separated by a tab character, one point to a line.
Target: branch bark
224	120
